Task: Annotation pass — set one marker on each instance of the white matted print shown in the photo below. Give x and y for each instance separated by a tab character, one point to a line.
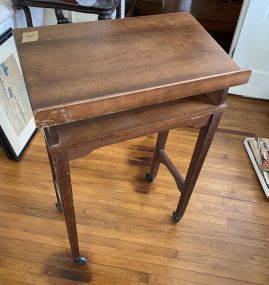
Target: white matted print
16	118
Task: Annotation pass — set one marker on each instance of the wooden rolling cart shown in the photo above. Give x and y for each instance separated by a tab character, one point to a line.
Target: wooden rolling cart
99	83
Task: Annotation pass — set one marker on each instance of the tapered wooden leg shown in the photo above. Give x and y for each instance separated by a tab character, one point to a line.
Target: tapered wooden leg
60	160
200	151
160	144
54	177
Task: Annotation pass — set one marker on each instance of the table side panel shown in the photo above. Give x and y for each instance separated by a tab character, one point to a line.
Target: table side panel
77	151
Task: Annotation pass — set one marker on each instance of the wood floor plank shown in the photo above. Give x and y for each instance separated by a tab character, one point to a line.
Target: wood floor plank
40	259
254	277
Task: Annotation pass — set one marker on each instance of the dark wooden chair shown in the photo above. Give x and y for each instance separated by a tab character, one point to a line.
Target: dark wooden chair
104	8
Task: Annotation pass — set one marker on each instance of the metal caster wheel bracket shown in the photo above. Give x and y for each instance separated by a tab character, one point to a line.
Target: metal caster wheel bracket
176	219
81	260
59	208
149	177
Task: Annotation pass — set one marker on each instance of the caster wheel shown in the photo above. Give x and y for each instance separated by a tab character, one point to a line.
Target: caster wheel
137	12
149	177
81	260
176	219
59	208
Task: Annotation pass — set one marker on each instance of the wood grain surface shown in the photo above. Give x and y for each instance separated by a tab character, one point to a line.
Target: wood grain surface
78	71
124	223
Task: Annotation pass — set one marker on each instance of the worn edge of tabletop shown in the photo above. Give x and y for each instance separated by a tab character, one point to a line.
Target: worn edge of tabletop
61	114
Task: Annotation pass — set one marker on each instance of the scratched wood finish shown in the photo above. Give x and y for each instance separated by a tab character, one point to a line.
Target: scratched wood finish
90	69
128	237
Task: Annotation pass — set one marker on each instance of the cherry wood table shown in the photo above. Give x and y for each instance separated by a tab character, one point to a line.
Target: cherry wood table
99	83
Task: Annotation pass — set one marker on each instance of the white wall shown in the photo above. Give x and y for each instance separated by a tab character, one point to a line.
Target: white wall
251	50
75	17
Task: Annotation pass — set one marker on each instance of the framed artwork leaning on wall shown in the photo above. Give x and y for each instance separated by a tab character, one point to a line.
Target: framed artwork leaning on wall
16	118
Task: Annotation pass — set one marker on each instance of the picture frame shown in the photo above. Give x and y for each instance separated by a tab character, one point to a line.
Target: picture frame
17	126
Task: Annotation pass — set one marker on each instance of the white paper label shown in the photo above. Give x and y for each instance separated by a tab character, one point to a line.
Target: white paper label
29	37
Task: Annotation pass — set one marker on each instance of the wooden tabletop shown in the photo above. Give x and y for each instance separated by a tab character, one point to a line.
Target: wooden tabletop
84	70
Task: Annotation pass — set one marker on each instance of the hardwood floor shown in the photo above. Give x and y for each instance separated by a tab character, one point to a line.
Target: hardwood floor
124	223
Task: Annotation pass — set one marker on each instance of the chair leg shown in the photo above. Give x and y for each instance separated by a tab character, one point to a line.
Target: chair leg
104	17
62	171
203	143
160	144
61	19
28	16
53	172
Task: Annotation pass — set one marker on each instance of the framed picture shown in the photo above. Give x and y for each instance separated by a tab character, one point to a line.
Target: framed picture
17	124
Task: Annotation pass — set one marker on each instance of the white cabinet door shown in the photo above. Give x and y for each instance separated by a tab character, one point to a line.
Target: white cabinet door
250	48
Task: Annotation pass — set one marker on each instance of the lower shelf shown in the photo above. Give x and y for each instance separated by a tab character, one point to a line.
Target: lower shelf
193	111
